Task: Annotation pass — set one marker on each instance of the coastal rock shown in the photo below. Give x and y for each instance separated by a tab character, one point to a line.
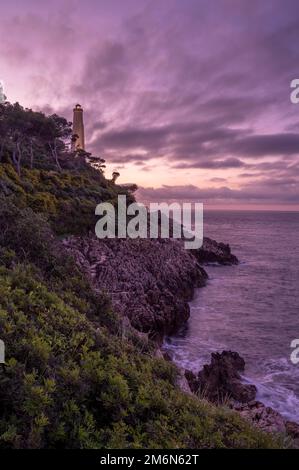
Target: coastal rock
292	430
262	416
221	380
214	252
148	281
182	382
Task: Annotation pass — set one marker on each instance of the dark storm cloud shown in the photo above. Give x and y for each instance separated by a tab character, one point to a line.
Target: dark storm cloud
205	87
258	192
99	125
213	164
137	159
105	69
151	138
217	180
194	97
248	175
265	145
180	141
194	84
200	145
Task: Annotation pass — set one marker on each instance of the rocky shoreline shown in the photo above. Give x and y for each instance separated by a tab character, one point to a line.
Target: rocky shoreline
150	284
221	383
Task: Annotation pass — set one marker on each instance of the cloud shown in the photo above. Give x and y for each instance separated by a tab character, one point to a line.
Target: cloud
262	192
217	180
213	164
105	69
265	145
178	141
136	159
193	85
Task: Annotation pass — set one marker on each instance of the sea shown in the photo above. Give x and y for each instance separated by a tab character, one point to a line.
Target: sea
252	308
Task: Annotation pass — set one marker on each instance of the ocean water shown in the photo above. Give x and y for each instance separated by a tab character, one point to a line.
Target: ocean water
252	308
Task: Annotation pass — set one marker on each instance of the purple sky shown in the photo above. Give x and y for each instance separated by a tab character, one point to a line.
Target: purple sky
190	99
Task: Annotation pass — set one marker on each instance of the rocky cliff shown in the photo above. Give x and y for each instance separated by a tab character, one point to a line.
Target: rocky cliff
149	281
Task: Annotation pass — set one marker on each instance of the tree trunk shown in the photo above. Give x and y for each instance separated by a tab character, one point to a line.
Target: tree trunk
31	155
1	151
54	154
19	158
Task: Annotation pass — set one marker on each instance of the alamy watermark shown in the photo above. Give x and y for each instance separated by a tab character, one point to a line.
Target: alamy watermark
159	220
294	357
294	96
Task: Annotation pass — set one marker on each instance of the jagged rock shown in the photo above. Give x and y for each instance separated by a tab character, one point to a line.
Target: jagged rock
158	353
149	281
221	382
221	379
182	382
214	252
292	429
167	356
192	381
262	416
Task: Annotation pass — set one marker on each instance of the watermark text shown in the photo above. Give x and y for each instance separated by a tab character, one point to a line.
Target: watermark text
159	220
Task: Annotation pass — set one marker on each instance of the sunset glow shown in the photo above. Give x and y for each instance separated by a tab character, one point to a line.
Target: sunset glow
186	99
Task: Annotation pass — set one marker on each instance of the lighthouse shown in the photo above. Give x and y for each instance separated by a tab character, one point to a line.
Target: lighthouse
78	142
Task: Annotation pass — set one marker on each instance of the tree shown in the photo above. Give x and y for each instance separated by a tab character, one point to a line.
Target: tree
26	135
56	131
115	175
16	126
23	131
3	130
37	123
97	163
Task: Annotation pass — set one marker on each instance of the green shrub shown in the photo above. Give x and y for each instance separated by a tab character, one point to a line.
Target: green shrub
66	199
70	379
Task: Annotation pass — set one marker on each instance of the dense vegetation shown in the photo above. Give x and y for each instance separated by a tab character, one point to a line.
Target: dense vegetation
38	170
72	378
